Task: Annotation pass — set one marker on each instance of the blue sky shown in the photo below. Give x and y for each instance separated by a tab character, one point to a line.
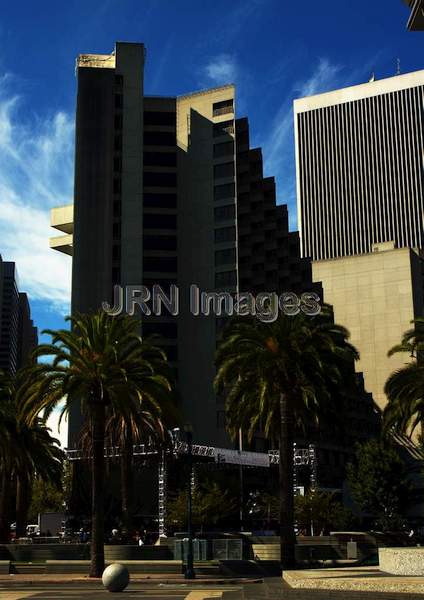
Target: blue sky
273	50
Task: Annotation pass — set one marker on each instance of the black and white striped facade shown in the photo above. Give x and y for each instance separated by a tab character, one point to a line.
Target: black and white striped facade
359	164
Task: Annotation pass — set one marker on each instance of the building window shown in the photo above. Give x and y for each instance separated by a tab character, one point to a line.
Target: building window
159	138
117	145
116	252
223	107
117	208
160	200
225	234
160	264
160	118
223	149
225	257
224	191
160	159
160	179
224	213
116	231
224	128
118	122
159	221
117	164
227	278
224	170
116	275
159	242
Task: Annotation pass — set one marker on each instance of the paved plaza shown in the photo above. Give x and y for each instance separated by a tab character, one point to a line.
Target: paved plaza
272	588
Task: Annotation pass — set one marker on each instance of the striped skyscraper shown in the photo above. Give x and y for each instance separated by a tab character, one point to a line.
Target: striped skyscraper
359	156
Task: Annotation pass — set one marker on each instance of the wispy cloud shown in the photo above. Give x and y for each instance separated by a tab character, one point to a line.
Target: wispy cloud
279	143
220	70
35	174
324	77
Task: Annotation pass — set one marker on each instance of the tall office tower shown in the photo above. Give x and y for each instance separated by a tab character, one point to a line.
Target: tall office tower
18	336
416	18
360	177
156	187
360	180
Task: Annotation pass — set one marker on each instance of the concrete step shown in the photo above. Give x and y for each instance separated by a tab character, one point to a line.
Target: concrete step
27	569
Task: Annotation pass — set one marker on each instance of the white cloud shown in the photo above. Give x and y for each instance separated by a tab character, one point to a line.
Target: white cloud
221	69
36	173
322	79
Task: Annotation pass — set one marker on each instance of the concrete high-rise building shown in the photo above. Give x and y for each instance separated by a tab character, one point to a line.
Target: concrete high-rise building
27	331
360	183
18	336
359	155
416	19
168	191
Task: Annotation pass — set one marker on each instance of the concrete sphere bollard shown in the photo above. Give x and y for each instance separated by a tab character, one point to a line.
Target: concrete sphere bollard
115	578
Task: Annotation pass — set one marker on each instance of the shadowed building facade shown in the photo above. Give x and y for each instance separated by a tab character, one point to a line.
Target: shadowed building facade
168	191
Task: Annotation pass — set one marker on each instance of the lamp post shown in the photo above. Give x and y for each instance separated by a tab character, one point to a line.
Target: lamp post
189	572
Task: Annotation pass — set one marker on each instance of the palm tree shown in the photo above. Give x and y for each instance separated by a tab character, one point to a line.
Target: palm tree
405	387
150	425
27	450
100	365
279	375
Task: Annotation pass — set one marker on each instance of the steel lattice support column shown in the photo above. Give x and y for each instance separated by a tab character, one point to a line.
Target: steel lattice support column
162	494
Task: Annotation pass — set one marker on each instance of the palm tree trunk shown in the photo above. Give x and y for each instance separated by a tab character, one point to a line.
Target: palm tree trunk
4	506
22	504
127	481
97	517
287	535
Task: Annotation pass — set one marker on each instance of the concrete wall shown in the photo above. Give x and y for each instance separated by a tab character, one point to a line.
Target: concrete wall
375	296
196	257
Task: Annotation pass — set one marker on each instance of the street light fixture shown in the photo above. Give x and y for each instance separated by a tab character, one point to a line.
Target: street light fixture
189	572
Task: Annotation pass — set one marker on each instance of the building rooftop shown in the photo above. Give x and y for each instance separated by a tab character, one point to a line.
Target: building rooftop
372	88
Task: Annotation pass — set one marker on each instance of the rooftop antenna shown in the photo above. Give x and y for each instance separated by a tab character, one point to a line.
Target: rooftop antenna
372	78
398	66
